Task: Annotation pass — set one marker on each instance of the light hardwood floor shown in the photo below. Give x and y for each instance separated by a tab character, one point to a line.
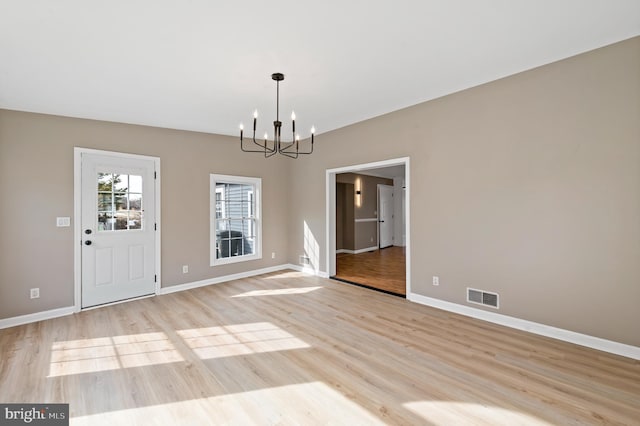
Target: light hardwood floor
381	269
285	348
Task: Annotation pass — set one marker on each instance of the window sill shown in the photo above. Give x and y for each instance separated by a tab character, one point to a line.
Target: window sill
235	259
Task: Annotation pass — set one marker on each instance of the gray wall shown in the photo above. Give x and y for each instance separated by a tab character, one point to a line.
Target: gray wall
345	231
528	186
36	184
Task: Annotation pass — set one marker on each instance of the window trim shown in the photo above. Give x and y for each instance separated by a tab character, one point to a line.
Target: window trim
215	202
257	194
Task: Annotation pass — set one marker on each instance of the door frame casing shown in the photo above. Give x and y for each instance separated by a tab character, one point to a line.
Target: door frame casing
393	229
77	212
330	203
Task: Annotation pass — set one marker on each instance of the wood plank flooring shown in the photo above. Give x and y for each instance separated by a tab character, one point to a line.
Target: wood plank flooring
381	269
286	348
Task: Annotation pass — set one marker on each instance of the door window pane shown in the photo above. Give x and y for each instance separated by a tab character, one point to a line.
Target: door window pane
105	201
121	219
106	221
135	201
135	219
105	182
135	184
120	183
119	202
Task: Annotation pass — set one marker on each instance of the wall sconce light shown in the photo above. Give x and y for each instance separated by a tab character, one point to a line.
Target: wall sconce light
358	196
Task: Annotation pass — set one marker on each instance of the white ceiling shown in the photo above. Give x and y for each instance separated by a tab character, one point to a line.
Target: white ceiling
205	65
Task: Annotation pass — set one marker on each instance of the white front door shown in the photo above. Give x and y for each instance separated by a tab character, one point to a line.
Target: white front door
385	215
118	228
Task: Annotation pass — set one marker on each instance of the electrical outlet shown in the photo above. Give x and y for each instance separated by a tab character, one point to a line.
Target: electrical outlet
34	293
436	280
185	269
273	255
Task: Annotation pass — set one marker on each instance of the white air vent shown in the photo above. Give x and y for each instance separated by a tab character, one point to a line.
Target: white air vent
482	297
304	260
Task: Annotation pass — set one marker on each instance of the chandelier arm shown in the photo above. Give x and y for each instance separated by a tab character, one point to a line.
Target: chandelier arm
253	150
286	145
297	151
310	152
264	149
291	154
268	154
288	154
264	145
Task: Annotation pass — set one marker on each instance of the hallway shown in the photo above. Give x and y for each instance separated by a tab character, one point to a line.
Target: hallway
380	269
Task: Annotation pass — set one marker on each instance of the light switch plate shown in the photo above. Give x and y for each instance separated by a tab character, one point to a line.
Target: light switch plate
63	222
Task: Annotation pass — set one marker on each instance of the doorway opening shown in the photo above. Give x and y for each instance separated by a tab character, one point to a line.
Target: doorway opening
368	225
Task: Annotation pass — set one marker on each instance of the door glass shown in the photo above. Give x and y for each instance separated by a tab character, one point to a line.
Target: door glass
119	202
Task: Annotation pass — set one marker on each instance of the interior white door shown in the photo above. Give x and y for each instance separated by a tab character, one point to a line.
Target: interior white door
385	215
118	228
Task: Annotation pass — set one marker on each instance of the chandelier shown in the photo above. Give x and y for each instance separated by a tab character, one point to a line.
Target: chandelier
277	145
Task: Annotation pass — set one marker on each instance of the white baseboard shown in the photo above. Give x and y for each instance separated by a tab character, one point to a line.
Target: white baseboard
223	279
363	250
308	270
35	317
55	313
532	327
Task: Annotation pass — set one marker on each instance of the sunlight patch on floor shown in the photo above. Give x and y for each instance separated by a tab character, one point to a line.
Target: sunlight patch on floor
304	403
278	291
311	248
239	339
111	353
284	274
454	412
